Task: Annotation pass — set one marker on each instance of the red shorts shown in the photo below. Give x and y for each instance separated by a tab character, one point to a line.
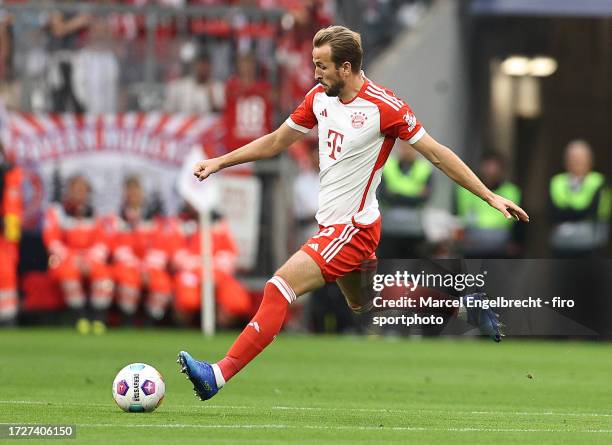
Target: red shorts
343	248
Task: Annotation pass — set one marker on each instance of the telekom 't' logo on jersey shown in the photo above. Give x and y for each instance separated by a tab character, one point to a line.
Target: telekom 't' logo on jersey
334	139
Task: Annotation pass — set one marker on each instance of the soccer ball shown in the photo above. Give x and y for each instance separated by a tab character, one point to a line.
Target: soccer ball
138	388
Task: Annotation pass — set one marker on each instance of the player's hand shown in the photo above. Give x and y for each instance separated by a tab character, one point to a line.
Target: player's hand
204	169
508	208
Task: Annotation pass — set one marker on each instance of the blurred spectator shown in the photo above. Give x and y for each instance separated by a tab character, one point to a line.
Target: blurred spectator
78	246
233	303
306	198
25	82
487	233
10	232
248	110
96	71
197	93
380	21
6	45
294	49
67	31
9	89
142	246
214	33
580	205
404	191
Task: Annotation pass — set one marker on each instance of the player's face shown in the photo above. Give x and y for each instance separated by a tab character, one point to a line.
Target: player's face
326	72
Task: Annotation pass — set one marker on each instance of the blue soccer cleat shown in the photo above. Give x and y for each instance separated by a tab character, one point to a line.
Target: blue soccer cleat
201	375
484	319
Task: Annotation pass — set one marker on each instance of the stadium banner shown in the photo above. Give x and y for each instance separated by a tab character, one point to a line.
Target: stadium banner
533	297
106	149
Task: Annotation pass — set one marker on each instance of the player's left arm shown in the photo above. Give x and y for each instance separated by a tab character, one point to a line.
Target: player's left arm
447	161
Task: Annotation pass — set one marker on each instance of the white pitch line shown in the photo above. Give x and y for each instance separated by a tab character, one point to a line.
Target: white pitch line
340	427
527	413
38	402
312	408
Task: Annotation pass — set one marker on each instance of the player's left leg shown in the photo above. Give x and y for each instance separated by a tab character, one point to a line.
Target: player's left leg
358	289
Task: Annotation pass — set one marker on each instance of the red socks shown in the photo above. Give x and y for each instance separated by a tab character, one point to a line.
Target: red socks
262	329
269	319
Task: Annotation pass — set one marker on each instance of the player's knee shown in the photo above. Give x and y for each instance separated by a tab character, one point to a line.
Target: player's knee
302	273
280	285
361	308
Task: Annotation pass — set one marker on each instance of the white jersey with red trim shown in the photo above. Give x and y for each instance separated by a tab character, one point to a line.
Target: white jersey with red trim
355	140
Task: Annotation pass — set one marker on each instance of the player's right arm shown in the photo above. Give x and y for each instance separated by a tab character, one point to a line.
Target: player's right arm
265	147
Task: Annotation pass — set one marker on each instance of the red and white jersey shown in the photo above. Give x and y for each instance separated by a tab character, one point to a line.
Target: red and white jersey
355	140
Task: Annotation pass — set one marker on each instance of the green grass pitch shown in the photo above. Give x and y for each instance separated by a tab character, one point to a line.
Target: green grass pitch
306	389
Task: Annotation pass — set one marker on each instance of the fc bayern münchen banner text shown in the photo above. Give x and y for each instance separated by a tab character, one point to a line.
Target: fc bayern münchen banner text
106	149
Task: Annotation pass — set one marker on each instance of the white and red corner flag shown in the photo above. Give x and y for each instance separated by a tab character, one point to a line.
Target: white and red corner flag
203	195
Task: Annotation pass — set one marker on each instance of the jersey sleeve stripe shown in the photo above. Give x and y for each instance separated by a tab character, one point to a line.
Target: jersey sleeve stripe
418	135
383	154
400	103
375	95
314	88
297	127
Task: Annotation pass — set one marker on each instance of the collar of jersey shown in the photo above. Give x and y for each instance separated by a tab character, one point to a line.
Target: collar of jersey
361	90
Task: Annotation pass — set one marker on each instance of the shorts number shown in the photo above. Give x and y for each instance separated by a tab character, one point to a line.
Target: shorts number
327	232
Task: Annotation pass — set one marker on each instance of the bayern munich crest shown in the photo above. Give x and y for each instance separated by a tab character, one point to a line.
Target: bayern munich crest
358	119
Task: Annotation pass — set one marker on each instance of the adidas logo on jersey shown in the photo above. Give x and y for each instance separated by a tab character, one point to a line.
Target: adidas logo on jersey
323	113
314	246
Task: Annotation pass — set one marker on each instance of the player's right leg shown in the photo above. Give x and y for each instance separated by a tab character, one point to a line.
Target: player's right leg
300	274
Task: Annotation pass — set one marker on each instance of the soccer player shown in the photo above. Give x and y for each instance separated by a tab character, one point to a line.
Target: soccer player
358	123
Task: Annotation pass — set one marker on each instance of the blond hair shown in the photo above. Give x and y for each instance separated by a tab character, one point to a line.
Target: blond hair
345	45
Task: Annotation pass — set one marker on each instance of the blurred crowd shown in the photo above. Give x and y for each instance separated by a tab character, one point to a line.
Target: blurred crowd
140	266
91	58
86	62
145	263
